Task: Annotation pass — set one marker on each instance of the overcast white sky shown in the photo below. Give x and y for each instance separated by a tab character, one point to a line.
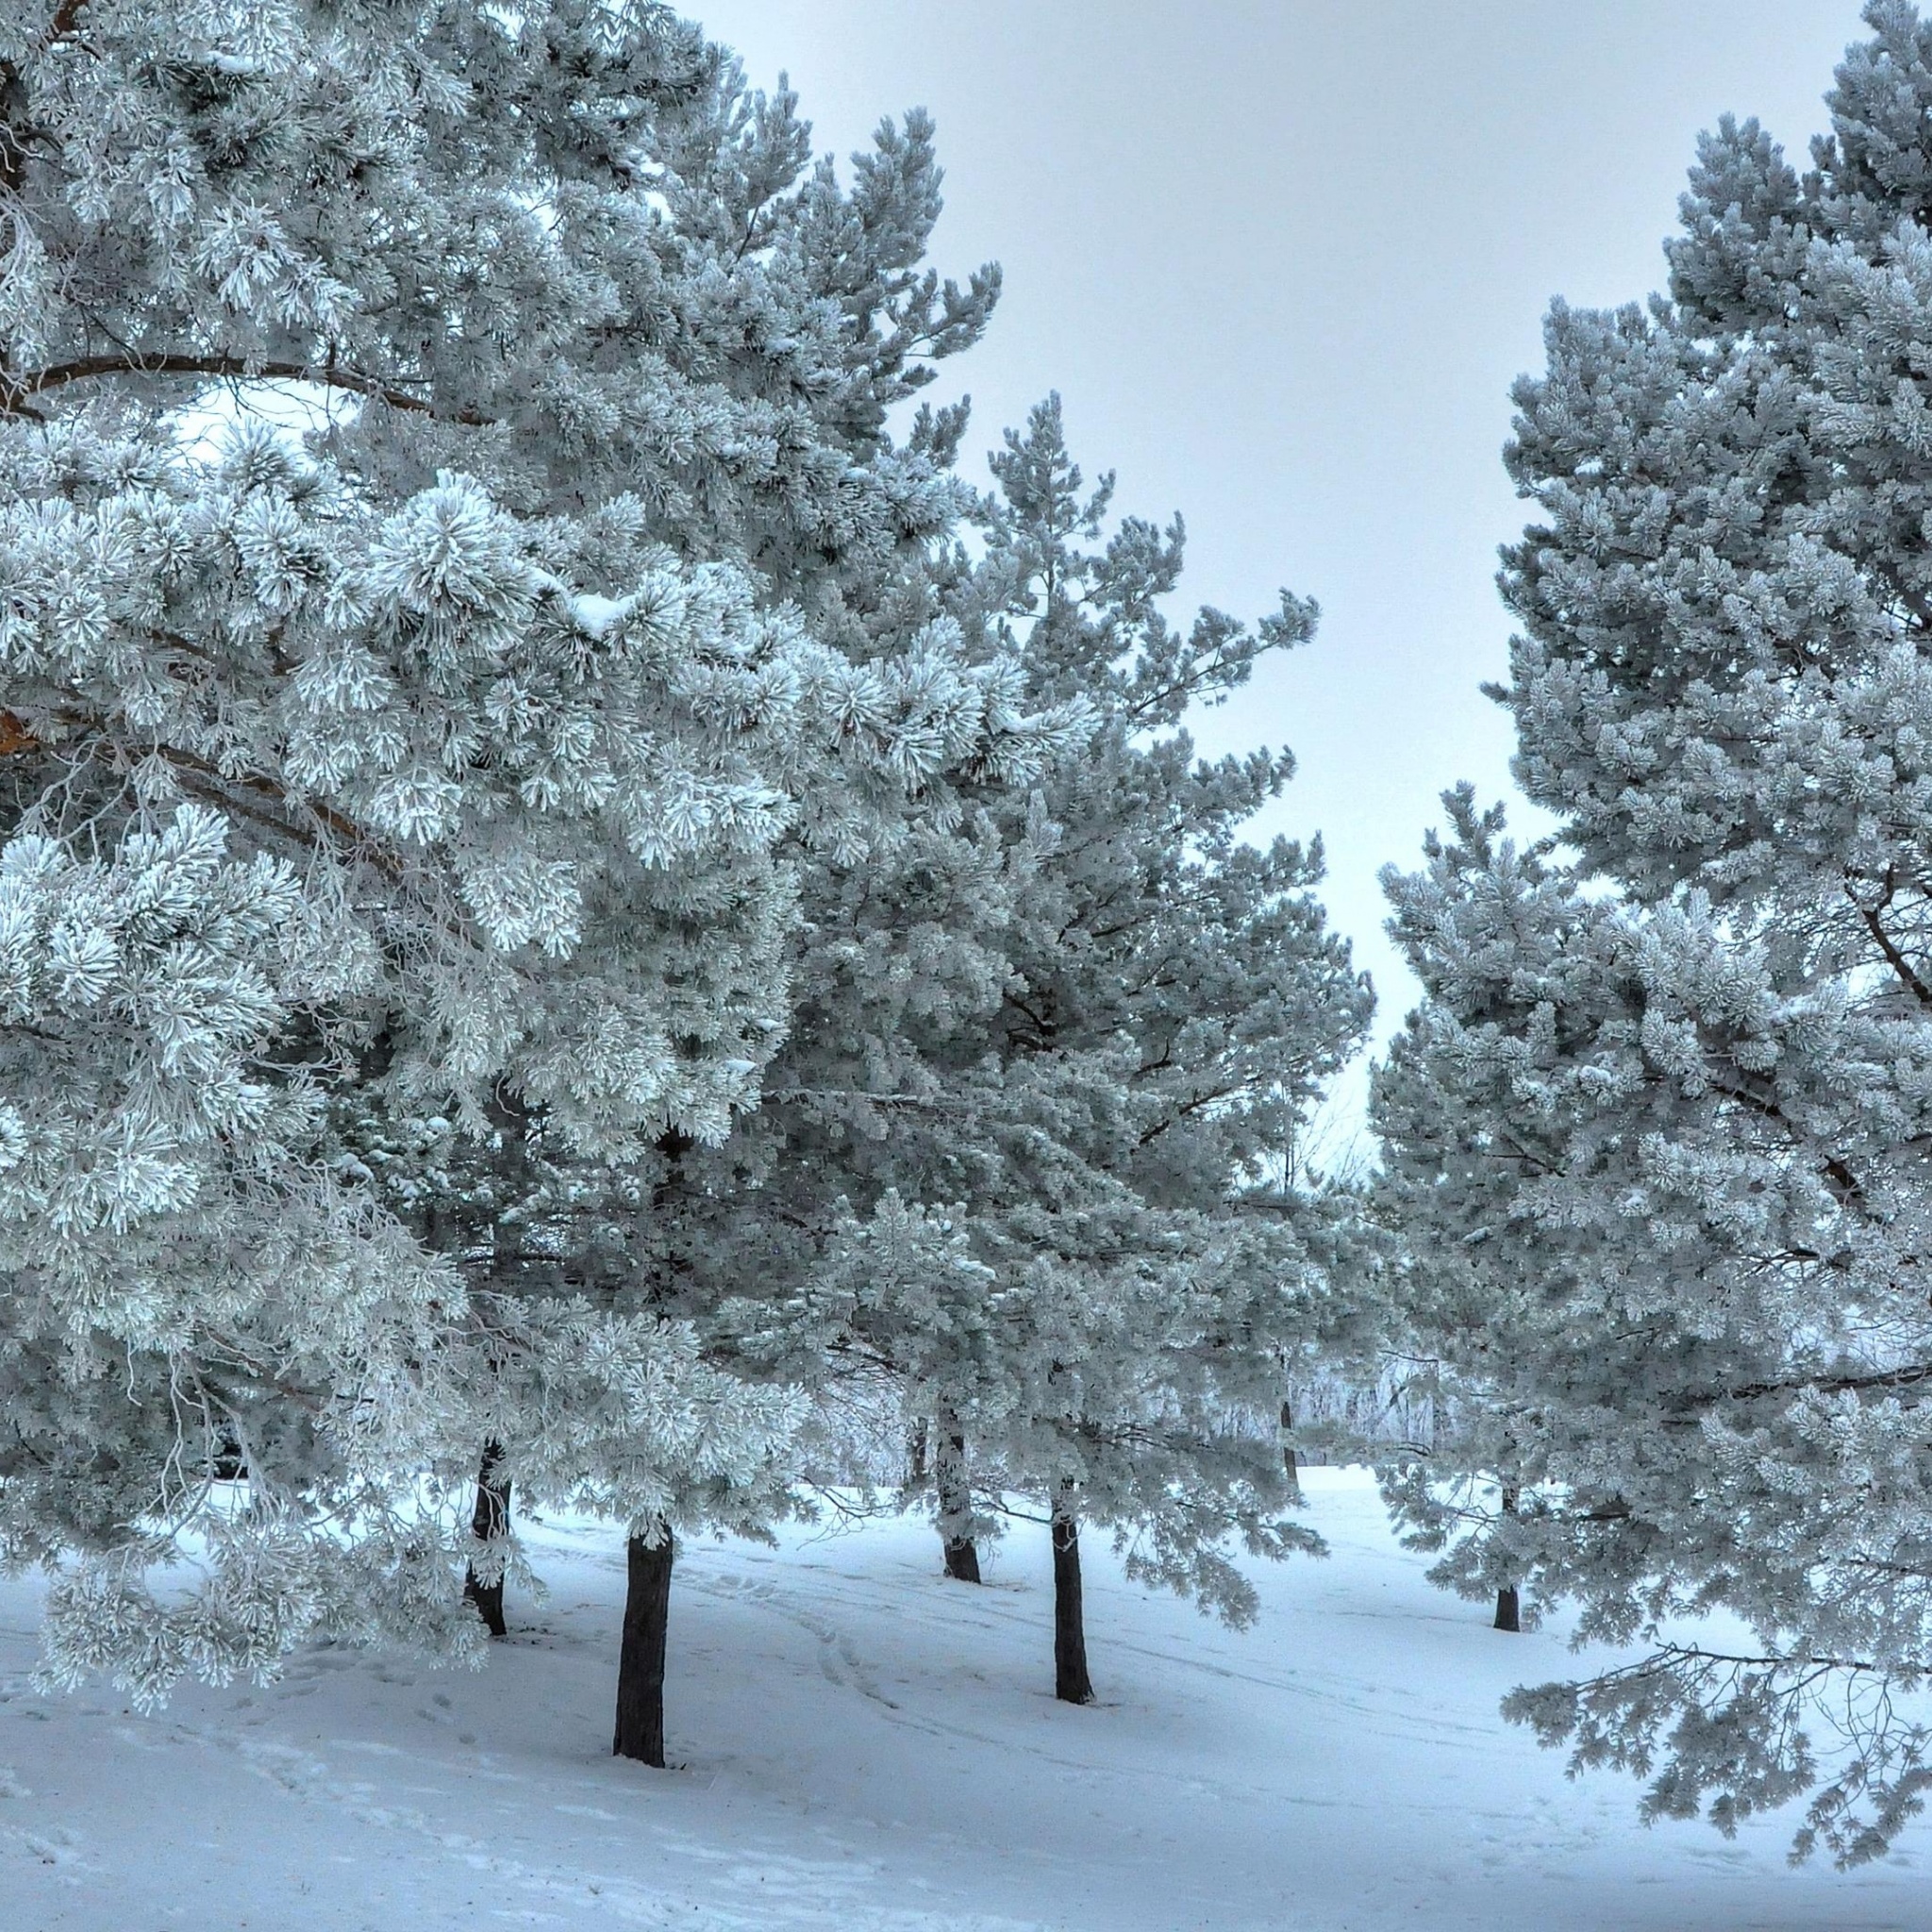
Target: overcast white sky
1282	260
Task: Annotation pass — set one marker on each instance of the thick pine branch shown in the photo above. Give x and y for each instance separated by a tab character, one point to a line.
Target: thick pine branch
16	387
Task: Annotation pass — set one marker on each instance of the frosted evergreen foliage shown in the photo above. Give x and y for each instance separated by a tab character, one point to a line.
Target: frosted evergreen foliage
178	1264
1658	1132
1176	1007
1019	1159
444	508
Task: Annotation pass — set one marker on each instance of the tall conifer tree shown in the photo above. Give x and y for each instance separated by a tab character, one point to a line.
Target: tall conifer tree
1662	1125
1046	1059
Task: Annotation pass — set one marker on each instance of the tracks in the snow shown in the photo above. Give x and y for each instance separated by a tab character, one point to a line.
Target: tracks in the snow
813	1599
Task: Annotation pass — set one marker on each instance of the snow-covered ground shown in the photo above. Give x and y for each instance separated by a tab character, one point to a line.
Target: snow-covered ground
866	1746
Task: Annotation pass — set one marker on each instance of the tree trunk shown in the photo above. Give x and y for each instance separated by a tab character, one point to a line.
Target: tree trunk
640	1655
1287	1456
490	1521
1071	1683
918	1439
955	1501
1508	1605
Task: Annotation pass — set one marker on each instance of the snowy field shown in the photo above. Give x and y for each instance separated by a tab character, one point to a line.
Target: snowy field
863	1745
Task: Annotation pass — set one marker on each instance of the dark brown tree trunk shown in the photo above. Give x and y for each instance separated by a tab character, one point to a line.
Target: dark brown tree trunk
955	1501
490	1521
641	1653
1071	1683
1508	1605
1288	1455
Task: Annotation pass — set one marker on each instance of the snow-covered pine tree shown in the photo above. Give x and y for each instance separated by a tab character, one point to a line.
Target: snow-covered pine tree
439	756
1679	1098
1497	937
849	321
1045	1065
1177	1009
